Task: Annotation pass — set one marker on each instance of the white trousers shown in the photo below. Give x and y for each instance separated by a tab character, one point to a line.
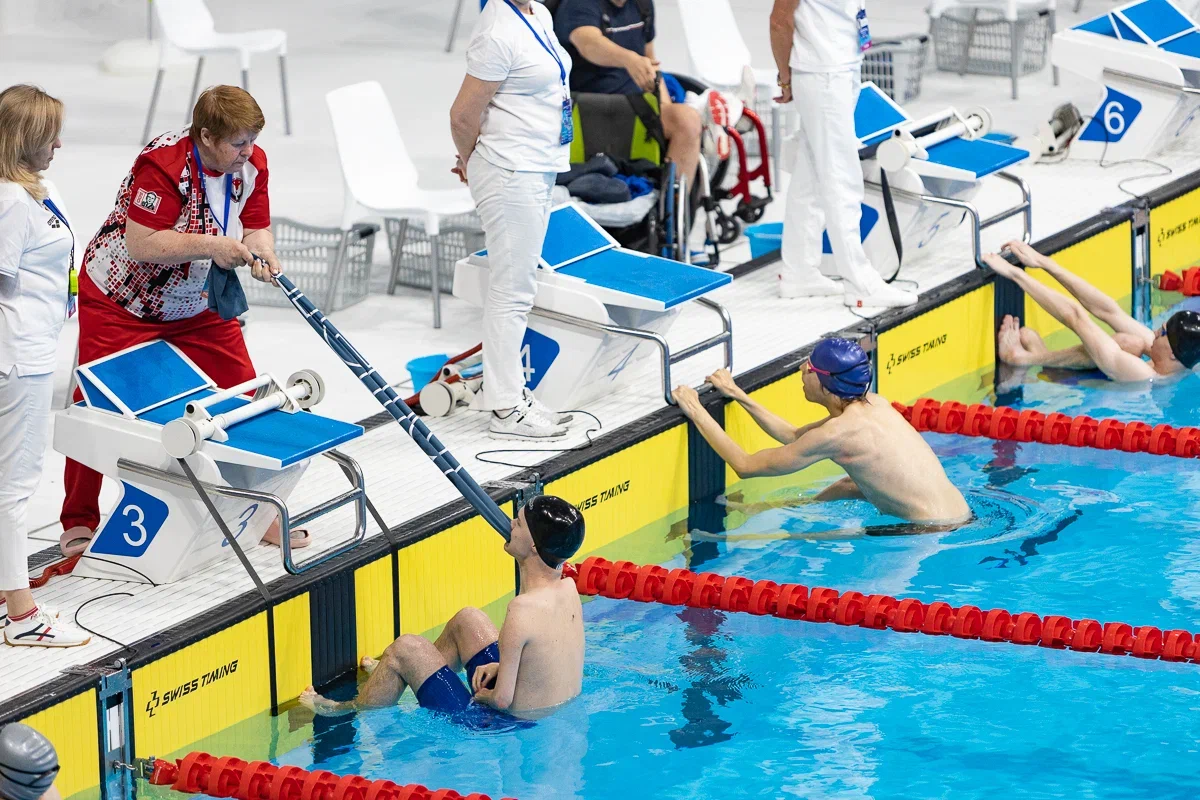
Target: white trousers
24	432
514	208
826	188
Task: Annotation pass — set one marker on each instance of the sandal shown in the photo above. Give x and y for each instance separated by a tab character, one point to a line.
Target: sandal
75	540
300	538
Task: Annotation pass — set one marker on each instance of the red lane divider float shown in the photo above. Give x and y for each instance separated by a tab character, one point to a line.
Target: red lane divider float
1188	284
201	773
624	580
1002	422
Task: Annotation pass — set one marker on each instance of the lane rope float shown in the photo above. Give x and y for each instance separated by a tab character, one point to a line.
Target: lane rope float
624	580
227	776
1005	423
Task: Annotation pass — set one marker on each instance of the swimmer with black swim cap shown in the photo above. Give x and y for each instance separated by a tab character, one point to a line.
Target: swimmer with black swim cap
28	764
533	664
1130	354
887	462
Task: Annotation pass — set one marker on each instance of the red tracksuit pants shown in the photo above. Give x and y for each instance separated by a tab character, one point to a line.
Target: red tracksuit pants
216	346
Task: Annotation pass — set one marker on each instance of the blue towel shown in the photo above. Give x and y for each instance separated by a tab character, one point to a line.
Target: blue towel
225	293
674	88
637	186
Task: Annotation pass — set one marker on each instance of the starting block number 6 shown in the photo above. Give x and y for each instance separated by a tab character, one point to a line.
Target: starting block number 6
1114	117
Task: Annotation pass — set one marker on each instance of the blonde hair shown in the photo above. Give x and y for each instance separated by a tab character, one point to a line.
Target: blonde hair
226	111
30	121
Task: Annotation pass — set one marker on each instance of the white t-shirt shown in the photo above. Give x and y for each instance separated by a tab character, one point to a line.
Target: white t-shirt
523	122
35	264
826	37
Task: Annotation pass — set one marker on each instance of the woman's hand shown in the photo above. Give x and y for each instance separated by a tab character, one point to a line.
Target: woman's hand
228	253
460	169
265	267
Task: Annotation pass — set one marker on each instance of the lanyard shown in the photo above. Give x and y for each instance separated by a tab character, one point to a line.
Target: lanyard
224	225
72	276
562	71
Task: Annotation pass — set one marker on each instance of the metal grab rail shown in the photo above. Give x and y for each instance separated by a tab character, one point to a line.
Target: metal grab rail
1025	207
1153	82
725	337
356	495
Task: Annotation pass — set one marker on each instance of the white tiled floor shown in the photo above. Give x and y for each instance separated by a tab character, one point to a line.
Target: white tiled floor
399	43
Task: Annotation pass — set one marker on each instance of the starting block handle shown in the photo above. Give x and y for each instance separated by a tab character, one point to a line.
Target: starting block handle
231	392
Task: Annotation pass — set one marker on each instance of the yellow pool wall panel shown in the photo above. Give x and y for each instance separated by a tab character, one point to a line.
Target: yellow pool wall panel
293	648
785	398
947	353
73	728
628	490
374	608
202	689
461	566
1175	234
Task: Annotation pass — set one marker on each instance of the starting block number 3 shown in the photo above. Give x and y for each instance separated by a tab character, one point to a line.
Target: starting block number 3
133	525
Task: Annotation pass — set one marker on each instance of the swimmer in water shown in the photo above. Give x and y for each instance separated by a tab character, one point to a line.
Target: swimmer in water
1172	349
887	462
534	662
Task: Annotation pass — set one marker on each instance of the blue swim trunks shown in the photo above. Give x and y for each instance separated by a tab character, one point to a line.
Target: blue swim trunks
444	691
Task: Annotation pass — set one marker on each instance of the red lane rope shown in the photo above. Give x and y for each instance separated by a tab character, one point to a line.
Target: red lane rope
201	773
625	580
1007	423
1187	284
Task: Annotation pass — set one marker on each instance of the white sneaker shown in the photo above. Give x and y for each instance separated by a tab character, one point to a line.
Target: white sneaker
817	286
524	422
556	417
43	630
882	296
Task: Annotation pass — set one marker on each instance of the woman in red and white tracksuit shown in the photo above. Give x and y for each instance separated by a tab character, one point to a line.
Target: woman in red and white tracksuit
144	272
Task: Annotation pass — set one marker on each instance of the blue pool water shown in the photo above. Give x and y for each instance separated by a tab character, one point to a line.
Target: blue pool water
685	703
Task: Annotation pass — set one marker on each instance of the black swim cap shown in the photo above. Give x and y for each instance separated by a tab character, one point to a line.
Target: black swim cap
1183	333
28	763
556	527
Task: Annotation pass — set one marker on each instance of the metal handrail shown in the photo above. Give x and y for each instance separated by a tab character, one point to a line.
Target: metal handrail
667	358
1154	82
356	495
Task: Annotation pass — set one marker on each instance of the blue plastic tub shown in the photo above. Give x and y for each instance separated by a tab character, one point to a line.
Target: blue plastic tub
765	237
424	369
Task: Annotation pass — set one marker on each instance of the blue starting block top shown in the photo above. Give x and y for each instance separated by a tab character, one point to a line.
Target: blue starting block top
1156	23
876	115
154	383
575	246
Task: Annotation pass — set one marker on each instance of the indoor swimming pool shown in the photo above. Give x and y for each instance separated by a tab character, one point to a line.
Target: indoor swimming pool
684	702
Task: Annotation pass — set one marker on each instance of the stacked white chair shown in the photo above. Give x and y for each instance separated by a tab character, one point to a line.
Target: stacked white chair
1015	14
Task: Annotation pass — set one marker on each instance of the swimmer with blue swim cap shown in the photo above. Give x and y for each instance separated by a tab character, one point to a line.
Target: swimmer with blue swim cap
1132	353
533	664
887	462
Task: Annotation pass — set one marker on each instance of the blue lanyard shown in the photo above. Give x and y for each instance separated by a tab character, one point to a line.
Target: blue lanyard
562	71
56	212
224	225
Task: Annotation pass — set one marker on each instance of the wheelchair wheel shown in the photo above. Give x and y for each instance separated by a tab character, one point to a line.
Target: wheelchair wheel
730	228
750	212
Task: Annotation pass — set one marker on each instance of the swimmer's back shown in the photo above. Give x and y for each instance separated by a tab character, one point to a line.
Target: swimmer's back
551	669
892	464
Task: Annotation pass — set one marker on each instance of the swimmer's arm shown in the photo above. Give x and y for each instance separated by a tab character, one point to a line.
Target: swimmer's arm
513	637
810	448
774	425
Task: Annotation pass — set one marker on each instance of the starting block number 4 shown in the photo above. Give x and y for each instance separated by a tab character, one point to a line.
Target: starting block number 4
133	525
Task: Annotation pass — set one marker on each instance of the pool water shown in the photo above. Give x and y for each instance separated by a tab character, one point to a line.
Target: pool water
686	703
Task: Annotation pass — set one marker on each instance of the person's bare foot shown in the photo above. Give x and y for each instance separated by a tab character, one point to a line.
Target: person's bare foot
1031	340
1008	343
323	705
368	664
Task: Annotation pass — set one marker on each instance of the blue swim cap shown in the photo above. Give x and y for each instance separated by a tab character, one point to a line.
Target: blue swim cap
842	367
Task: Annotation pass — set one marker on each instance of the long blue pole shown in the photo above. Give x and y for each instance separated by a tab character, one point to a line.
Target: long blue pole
409	421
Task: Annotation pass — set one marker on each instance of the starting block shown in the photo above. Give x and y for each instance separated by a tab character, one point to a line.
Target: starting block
934	168
149	410
596	304
1146	57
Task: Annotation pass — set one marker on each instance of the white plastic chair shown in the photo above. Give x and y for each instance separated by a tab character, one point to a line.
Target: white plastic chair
188	26
381	180
719	55
1015	13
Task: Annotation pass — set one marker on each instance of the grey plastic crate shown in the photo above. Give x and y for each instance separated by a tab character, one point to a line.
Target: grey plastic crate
308	255
895	66
412	250
979	41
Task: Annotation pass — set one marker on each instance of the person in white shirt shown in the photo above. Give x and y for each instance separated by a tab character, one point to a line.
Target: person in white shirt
511	125
818	46
36	272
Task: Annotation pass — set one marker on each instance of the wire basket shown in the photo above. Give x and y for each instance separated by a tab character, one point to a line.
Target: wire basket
412	250
982	38
308	256
895	66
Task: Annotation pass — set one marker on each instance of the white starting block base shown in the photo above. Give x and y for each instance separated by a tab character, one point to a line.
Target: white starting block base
161	529
932	193
597	306
1145	56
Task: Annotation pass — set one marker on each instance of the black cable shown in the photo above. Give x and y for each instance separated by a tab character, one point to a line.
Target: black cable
83	627
578	448
1165	170
139	573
